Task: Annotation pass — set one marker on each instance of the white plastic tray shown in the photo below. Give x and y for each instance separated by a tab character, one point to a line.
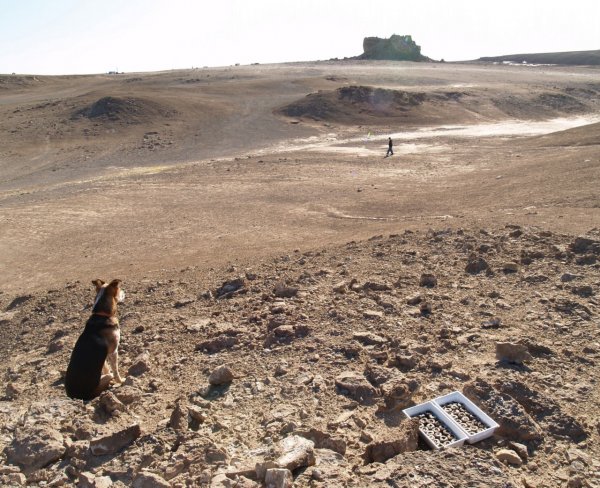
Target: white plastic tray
457	396
443	417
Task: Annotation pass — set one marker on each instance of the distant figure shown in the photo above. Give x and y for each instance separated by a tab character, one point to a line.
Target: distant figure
390	151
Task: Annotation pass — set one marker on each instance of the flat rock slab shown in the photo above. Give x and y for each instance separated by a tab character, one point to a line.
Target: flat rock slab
34	447
114	442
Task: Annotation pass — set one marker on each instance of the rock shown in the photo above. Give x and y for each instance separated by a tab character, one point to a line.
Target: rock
514	422
544	410
510	267
217	344
425	308
375	286
378	375
34	447
584	291
197	416
414	299
221	376
429	280
369	339
372	314
230	288
584	244
109	403
115	441
12	391
284	291
56	345
397	48
476	265
509	456
324	440
405	439
295	452
146	479
179	417
140	365
340	287
128	394
356	387
567	277
279	478
512	353
398	392
89	480
520	449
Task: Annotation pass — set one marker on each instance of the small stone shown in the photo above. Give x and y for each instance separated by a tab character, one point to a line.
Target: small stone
296	452
140	365
279	478
429	280
284	291
398	392
221	376
89	480
11	391
179	417
372	314
146	479
512	353
340	287
369	339
414	299
476	265
520	449
509	456
110	403
425	308
510	267
356	387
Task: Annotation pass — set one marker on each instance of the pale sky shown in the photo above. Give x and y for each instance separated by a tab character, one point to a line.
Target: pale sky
96	36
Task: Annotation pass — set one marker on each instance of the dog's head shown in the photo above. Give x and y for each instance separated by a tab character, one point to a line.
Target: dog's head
107	296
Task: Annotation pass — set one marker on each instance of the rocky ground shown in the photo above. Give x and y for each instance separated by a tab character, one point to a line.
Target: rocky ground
296	368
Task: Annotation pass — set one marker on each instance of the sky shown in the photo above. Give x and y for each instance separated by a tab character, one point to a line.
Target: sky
96	36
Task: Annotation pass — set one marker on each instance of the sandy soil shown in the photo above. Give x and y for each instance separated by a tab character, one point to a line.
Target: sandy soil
182	180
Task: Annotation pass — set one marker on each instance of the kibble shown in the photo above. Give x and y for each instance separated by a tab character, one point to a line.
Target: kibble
435	429
469	422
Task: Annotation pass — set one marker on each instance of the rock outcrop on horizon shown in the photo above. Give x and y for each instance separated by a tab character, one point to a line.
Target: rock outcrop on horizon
396	48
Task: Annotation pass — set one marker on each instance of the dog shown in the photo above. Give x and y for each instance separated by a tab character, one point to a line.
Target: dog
88	374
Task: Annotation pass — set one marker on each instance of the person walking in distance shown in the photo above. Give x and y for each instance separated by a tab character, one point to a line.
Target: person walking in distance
390	151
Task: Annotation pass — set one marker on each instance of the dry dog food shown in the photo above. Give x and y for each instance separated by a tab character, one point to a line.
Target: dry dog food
433	428
467	421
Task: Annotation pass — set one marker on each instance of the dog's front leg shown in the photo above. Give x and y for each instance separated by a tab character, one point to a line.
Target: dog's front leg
105	369
114	364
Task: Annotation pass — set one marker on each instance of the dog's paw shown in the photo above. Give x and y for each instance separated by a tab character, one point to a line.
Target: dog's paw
119	379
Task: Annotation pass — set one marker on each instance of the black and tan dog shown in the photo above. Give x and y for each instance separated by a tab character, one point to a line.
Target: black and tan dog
88	374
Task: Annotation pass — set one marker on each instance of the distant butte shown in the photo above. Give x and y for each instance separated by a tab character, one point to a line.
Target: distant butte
396	48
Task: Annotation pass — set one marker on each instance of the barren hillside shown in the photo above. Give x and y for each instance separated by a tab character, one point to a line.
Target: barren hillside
289	290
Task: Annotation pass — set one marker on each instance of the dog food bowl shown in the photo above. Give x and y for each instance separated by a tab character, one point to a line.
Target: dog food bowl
469	418
436	428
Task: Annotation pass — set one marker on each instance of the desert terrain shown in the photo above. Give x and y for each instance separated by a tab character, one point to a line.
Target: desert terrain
261	233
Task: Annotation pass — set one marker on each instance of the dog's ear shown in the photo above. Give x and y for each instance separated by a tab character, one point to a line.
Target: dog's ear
98	284
114	284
